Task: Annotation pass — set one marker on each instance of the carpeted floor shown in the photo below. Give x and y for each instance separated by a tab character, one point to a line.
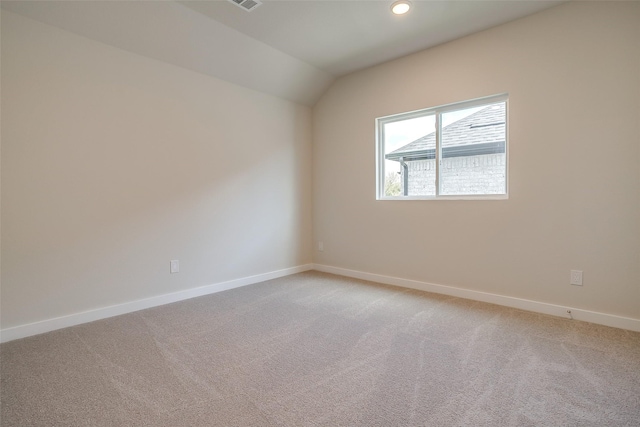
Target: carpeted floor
315	349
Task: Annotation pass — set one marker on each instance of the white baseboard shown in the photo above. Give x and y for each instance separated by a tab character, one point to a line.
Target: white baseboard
523	304
22	331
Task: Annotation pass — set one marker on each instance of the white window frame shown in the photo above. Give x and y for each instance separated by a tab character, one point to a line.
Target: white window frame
438	111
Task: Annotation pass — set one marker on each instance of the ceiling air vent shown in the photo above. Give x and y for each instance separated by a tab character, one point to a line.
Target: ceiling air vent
247	5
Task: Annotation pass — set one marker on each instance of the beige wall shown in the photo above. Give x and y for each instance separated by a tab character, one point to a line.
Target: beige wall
113	164
573	78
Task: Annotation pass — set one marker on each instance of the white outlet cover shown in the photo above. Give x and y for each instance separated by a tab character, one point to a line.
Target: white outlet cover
175	266
576	277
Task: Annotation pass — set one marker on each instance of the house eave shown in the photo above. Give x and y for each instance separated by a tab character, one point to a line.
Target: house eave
453	151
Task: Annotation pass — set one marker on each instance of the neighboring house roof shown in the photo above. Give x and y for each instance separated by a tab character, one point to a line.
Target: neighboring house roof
482	132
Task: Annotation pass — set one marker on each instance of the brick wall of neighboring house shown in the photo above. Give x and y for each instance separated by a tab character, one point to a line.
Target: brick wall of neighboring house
483	174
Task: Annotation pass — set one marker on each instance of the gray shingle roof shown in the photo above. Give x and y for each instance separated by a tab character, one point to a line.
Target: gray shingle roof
486	126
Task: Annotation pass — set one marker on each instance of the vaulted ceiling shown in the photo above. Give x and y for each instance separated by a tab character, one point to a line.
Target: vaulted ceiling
290	49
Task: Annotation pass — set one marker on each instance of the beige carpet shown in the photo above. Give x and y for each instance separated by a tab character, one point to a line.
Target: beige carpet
321	350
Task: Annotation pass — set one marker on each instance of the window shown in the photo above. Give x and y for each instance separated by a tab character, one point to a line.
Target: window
453	151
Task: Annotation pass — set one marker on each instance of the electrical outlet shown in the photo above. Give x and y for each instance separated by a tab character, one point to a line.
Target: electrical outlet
576	277
175	266
321	246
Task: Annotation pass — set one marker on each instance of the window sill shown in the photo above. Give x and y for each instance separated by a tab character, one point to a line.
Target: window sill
452	197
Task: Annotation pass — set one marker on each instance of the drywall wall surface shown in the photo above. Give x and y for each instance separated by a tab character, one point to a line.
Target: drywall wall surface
114	164
573	78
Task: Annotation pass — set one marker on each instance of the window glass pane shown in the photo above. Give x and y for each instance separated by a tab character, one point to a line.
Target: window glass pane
409	152
474	151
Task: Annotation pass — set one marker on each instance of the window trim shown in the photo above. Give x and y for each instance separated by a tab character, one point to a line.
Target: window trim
438	111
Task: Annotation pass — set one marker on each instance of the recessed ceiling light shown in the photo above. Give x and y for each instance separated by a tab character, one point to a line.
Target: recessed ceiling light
401	7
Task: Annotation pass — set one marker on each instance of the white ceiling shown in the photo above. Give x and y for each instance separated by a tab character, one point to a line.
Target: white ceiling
291	49
342	36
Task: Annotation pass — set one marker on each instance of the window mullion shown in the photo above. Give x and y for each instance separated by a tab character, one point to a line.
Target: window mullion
438	151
